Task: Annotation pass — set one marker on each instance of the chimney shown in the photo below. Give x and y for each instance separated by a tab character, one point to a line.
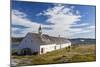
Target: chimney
59	41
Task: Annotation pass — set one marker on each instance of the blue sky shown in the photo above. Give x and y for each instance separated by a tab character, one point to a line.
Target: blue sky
66	20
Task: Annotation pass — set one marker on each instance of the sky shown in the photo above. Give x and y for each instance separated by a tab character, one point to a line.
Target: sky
66	20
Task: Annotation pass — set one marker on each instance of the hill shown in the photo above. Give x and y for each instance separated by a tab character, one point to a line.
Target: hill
81	53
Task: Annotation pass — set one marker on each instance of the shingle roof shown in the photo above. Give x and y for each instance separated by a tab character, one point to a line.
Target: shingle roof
46	39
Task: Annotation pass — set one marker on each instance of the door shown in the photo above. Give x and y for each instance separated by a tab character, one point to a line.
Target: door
42	50
26	51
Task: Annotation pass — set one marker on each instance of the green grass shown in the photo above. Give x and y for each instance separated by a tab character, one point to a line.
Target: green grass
83	53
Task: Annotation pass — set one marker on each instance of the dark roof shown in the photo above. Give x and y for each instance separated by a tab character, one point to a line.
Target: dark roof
46	39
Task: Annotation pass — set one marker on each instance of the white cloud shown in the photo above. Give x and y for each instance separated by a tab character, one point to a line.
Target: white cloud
82	24
91	27
62	18
86	32
19	18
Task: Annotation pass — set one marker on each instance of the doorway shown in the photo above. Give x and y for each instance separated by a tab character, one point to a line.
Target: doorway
26	51
42	50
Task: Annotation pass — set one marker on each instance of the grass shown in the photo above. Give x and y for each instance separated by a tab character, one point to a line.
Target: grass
81	53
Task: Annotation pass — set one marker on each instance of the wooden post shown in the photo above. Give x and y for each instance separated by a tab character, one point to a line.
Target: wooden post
59	41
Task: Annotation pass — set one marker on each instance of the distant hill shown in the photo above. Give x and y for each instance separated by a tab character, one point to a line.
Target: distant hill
15	42
73	41
83	41
14	39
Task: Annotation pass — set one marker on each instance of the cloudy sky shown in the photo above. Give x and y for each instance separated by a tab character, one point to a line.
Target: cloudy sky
66	20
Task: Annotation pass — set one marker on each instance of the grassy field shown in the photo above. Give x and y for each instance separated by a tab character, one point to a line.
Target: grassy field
79	53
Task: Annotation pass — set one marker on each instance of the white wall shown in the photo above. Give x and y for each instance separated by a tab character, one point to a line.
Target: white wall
58	46
65	45
47	48
27	42
52	47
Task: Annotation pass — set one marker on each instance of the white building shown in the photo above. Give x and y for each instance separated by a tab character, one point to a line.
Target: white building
38	43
